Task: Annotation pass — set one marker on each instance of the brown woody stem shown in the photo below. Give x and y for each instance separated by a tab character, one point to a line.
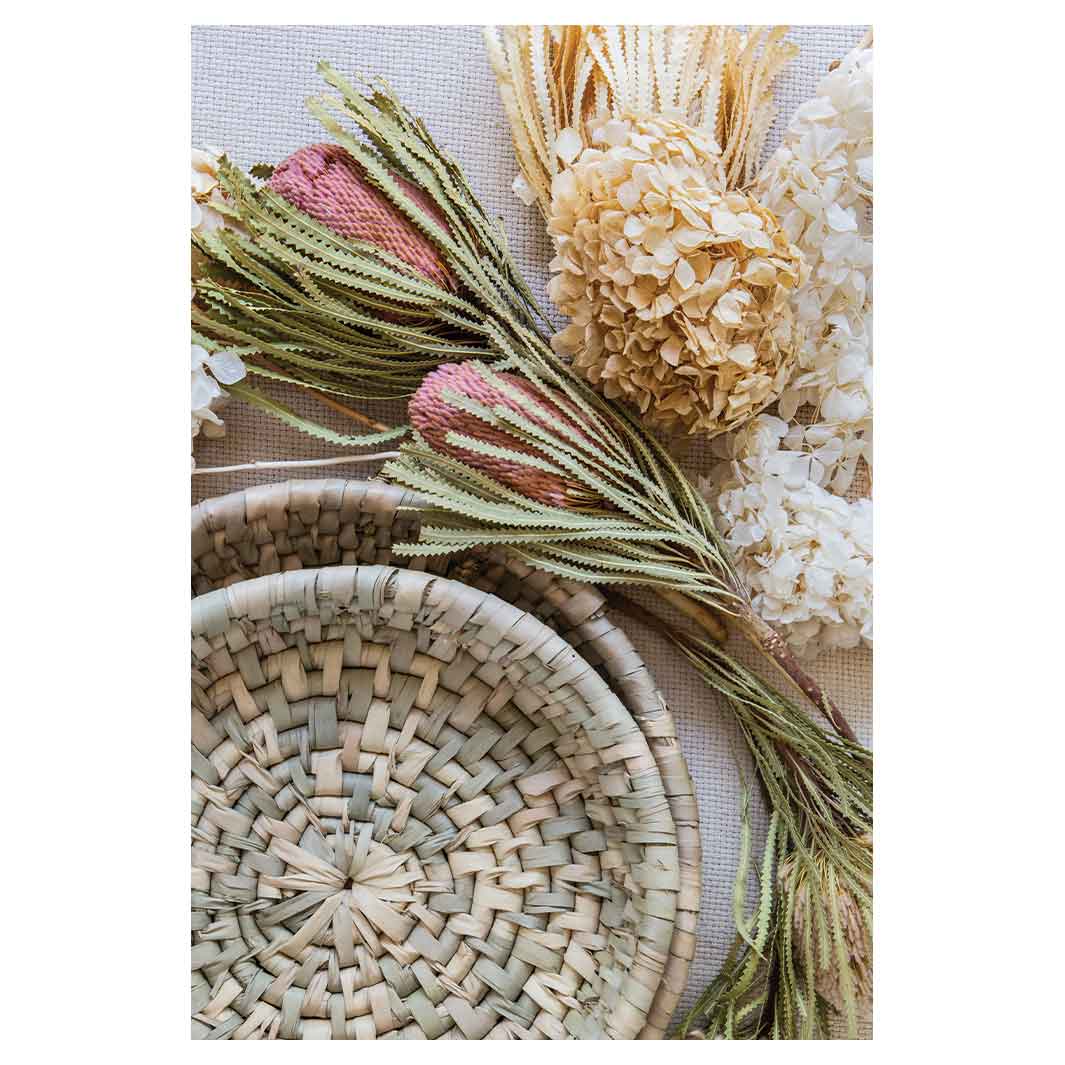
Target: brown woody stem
354	415
772	644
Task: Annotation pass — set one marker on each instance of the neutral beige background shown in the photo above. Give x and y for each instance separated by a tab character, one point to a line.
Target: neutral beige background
248	87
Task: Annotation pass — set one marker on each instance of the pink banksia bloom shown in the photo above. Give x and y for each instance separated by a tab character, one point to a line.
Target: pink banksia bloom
434	417
326	182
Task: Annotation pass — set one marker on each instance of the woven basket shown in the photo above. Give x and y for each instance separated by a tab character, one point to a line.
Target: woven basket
417	811
285	527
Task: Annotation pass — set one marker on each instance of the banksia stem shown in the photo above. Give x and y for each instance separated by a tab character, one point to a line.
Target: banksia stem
468	413
773	645
440	424
513	459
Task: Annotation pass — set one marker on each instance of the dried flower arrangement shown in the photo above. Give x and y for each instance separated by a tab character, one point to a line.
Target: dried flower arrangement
515	449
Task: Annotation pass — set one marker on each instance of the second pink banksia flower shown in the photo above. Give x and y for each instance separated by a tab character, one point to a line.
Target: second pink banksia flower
436	419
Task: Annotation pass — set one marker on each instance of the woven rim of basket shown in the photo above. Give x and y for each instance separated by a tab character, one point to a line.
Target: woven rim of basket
319	690
320	522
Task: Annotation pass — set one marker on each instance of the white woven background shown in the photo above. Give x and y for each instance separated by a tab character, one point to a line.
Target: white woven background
248	88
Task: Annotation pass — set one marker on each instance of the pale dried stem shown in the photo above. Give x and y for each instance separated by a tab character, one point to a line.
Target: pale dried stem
703	616
772	644
285	464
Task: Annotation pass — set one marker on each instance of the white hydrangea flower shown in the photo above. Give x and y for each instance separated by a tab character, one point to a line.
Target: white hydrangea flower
805	553
205	191
819	183
209	373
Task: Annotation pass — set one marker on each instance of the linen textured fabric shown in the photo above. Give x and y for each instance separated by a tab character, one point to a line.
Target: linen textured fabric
248	88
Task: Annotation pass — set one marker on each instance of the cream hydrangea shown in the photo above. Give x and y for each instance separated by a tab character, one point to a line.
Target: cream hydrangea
678	291
805	553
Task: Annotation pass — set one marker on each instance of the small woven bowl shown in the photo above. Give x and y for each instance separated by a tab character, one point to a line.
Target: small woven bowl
294	524
417	813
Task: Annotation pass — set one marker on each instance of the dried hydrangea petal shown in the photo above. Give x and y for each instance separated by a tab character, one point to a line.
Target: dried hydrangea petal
568	144
226	367
207	396
804	550
524	191
206	192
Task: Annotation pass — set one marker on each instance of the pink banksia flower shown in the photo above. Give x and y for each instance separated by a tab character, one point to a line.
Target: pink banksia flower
435	418
326	182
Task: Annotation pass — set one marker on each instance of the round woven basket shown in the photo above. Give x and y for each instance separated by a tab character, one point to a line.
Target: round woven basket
292	525
417	812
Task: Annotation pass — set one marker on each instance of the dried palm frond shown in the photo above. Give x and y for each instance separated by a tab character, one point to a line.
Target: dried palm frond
554	79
